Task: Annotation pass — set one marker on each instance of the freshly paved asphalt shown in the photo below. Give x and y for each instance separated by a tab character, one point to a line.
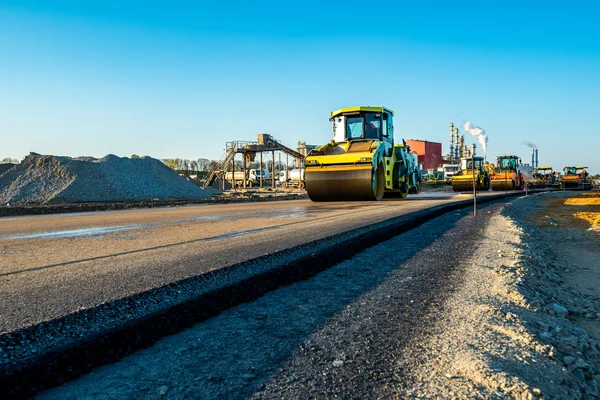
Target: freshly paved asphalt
54	265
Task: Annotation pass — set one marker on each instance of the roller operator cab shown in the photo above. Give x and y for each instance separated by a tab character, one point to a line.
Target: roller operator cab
361	162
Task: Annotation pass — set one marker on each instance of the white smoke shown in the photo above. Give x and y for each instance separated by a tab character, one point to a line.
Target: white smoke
478	133
529	144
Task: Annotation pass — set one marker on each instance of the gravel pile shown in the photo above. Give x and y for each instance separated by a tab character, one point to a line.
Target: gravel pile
45	179
508	331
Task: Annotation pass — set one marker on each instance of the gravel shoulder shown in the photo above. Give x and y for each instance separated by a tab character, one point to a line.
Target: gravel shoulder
522	324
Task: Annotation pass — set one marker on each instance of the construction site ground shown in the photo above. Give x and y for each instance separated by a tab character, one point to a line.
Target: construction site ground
502	305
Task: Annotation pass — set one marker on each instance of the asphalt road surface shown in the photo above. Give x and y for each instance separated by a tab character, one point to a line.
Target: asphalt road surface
342	334
54	265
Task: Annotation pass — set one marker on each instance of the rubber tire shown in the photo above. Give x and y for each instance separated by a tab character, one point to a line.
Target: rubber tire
417	188
379	182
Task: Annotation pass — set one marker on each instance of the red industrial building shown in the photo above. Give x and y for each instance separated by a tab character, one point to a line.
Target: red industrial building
429	153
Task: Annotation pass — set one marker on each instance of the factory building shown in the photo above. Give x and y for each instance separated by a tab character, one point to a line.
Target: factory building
429	153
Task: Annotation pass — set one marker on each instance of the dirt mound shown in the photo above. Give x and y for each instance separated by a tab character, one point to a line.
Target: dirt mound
54	179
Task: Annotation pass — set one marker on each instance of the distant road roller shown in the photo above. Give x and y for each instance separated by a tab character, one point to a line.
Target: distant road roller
462	181
576	177
361	162
506	174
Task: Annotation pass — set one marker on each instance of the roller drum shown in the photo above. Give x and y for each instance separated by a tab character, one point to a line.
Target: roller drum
501	184
463	186
329	184
571	183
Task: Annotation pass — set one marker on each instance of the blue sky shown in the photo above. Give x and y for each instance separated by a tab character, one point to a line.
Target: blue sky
179	79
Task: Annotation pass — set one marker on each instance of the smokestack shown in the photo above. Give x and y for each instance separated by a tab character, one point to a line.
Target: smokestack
451	142
456	153
533	158
537	162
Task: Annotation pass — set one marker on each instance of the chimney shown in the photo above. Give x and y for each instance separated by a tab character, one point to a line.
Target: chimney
452	143
533	158
456	144
537	162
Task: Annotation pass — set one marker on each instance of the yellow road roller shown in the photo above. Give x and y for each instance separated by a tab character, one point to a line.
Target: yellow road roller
462	181
361	162
576	177
507	175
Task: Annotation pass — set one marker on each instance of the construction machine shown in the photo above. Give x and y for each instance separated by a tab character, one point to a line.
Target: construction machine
576	177
506	174
471	169
361	162
544	177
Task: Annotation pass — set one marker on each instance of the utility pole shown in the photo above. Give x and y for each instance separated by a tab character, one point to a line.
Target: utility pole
474	186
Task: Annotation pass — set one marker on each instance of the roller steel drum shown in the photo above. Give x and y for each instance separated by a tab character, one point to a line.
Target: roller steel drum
463	185
333	183
502	184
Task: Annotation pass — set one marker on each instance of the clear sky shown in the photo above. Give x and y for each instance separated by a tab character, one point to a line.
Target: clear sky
180	78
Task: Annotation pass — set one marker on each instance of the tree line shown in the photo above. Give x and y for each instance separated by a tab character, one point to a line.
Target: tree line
203	166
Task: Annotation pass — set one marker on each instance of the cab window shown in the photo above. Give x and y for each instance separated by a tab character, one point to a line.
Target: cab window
372	126
354	127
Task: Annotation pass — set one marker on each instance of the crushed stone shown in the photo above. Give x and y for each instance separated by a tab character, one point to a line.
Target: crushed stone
508	331
48	179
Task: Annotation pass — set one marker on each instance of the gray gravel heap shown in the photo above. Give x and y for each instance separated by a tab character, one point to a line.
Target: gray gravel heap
47	179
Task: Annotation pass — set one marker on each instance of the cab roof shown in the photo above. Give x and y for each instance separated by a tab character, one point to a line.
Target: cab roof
475	158
544	168
360	109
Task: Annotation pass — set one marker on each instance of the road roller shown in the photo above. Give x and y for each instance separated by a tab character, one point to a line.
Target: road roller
506	175
544	177
361	162
576	177
462	181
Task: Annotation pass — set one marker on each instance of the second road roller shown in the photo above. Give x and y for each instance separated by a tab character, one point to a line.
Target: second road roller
361	162
576	177
472	172
506	174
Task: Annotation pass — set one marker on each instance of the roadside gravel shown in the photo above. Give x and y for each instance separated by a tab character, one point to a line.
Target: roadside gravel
505	332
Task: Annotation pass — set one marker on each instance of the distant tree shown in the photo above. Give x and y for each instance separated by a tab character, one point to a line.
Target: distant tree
170	162
203	164
279	165
194	166
214	165
185	167
134	156
9	160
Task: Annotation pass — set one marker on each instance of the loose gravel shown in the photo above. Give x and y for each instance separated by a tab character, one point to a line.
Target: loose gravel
47	179
505	332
